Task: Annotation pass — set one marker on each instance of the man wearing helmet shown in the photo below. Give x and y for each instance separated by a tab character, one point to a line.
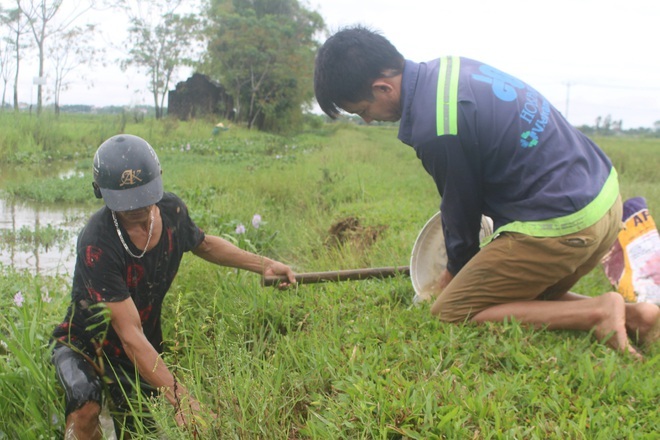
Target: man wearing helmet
128	254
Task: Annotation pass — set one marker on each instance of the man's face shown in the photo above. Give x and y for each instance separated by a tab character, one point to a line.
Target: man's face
384	106
135	215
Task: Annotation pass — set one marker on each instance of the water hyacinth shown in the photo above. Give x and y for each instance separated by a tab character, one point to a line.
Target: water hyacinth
240	229
18	299
256	221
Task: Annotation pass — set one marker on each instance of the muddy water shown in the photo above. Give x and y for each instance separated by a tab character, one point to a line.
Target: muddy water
19	219
57	258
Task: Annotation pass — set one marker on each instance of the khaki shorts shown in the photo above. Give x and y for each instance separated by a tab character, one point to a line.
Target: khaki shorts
516	267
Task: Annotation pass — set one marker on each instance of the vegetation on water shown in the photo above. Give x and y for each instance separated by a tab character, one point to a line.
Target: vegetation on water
350	360
25	238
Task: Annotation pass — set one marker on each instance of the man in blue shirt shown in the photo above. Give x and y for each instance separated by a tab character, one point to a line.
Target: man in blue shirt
496	147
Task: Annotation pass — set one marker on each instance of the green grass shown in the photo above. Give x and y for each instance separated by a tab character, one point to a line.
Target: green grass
351	360
48	137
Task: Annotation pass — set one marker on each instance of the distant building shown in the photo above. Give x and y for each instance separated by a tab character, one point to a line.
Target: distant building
198	96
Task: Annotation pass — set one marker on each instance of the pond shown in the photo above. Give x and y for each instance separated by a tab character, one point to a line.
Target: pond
38	237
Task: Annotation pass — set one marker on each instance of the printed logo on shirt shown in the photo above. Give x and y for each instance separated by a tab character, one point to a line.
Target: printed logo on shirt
92	255
134	274
504	85
94	294
535	111
529	139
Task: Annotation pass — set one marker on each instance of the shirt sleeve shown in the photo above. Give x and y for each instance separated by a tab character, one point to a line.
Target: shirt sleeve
455	173
188	233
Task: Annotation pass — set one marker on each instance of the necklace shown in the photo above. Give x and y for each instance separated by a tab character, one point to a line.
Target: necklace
121	238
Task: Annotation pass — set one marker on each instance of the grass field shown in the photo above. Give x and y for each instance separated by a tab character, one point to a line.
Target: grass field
351	360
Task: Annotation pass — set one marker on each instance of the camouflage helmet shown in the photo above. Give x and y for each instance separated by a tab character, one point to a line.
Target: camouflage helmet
127	173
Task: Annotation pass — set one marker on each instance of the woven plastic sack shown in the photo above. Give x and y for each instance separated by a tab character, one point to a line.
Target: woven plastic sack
633	263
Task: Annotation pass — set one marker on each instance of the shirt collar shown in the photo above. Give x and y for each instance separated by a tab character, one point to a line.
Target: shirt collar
408	84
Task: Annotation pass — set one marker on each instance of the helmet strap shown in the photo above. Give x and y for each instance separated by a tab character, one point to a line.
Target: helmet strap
97	191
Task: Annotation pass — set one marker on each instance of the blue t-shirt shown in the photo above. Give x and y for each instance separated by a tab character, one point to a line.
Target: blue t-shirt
494	146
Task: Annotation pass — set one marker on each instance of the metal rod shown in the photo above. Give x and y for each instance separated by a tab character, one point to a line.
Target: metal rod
340	275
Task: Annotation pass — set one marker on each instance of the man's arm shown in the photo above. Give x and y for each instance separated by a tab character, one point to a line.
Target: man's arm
221	252
455	174
126	322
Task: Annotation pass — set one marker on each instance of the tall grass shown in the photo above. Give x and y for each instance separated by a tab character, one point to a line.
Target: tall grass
28	138
31	405
352	360
636	162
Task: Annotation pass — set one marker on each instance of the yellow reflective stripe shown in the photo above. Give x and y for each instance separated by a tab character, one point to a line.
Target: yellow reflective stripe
447	96
571	223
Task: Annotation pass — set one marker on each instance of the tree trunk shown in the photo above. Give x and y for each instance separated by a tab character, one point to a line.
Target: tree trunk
18	62
41	70
56	95
4	95
158	111
237	102
251	115
154	92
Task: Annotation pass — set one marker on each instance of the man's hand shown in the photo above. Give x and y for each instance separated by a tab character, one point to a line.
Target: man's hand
443	281
220	251
438	285
275	268
189	414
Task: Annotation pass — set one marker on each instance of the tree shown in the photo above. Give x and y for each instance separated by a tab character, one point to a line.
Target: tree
15	23
6	64
607	123
71	50
41	21
263	51
160	41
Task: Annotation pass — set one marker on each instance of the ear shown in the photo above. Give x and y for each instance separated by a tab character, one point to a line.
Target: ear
382	85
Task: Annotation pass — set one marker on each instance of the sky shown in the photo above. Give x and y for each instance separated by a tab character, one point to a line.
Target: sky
589	58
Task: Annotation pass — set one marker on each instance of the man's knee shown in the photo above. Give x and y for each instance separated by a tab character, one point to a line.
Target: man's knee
86	415
78	379
436	308
84	422
445	313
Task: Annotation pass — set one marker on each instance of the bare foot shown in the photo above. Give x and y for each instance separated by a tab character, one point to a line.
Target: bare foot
643	322
611	328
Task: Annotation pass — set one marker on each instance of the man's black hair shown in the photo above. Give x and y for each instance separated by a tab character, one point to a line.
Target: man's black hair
348	63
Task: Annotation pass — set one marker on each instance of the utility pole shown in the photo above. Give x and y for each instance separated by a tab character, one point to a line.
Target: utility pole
568	97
